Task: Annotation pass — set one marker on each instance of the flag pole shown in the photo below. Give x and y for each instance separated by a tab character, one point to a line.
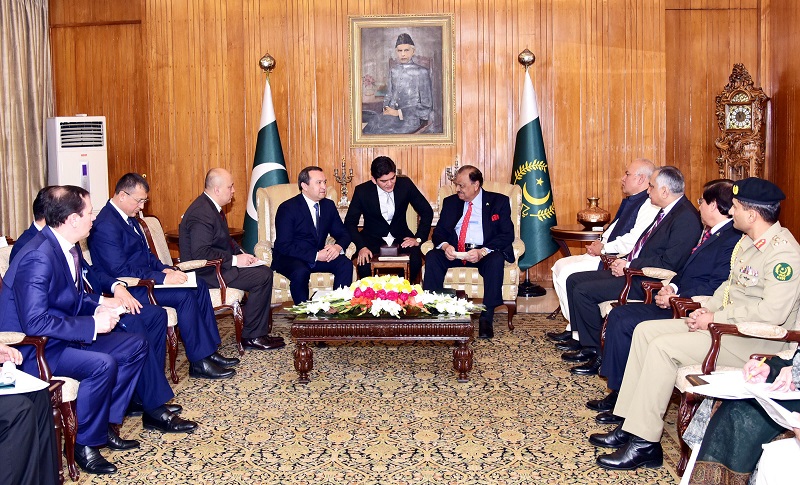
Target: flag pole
527	288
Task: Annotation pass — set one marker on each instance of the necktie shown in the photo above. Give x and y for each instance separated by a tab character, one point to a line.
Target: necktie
703	239
316	221
135	228
230	239
389	208
462	235
642	240
76	262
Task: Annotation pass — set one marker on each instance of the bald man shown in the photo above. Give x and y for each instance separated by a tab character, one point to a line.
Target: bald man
204	234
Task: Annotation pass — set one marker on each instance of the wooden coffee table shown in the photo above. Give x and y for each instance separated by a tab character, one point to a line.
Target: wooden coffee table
312	329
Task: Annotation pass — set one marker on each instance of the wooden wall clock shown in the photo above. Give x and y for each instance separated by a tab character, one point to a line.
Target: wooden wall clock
741	116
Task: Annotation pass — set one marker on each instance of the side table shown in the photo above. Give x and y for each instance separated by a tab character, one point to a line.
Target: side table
570	232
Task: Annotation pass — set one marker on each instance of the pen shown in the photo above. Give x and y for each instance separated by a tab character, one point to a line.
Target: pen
750	374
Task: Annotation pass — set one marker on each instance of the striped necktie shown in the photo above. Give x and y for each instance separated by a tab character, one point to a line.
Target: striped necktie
642	240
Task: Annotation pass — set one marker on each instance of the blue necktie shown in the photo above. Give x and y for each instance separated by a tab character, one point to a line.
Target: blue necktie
316	221
133	225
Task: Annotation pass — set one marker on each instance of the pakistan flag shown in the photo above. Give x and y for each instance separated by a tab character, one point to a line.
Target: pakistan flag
532	175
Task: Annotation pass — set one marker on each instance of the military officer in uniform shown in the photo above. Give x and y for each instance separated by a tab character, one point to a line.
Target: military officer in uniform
761	287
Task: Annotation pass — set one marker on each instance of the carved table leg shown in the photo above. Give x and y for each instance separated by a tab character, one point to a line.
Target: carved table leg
303	361
462	360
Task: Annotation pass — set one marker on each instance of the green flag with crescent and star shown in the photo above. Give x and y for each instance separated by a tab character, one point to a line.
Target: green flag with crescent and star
269	167
532	175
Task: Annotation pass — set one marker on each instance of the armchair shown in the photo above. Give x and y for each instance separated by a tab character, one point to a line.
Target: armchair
268	199
468	279
690	401
224	299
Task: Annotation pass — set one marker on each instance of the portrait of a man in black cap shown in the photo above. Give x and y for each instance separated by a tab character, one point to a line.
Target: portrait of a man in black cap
408	103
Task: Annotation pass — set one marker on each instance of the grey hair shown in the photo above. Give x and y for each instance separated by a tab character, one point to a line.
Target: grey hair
646	167
671	178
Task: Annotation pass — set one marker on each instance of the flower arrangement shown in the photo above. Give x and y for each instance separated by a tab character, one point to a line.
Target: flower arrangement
382	296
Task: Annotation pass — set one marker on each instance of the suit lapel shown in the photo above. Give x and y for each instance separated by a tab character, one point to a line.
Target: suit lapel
61	260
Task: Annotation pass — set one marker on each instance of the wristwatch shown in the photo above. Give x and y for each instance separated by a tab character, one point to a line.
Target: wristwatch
419	241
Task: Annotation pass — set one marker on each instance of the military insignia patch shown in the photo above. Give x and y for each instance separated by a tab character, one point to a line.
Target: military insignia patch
782	272
735	189
760	243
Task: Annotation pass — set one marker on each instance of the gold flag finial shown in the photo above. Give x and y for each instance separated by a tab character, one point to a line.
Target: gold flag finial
267	63
526	58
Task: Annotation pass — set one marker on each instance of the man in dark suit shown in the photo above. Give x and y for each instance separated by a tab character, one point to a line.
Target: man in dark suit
119	249
43	294
152	389
302	226
204	234
707	268
27	441
666	244
474	230
383	201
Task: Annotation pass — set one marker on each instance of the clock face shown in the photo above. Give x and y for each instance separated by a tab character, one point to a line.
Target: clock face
739	117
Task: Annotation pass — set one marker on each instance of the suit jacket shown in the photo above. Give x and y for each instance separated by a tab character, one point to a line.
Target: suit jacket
709	265
39	297
365	202
118	250
498	229
98	280
296	236
671	243
205	235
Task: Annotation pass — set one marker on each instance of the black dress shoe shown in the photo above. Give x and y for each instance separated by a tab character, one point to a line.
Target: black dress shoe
167	422
118	444
605	404
613	439
607	417
590	368
91	461
263	343
135	408
223	361
570	345
583	355
485	328
635	454
560	336
207	369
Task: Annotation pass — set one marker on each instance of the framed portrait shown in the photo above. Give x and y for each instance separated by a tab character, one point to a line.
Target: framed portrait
401	80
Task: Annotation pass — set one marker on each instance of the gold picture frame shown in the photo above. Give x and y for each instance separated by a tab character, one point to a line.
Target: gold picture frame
421	99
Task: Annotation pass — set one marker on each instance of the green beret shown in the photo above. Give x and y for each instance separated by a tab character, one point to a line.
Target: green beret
754	190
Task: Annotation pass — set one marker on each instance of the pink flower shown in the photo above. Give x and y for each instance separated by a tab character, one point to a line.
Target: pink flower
358	293
369	293
381	294
392	295
413	292
404	297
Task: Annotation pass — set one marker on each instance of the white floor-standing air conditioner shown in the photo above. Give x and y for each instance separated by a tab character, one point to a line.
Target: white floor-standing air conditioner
77	154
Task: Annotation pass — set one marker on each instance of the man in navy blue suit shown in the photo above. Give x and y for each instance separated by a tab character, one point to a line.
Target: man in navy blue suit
302	226
666	244
43	294
383	202
474	230
119	249
152	389
707	268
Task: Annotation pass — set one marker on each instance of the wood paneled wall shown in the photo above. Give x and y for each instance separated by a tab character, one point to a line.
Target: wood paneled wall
616	80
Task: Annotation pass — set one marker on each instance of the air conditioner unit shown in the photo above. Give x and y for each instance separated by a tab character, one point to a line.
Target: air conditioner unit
77	154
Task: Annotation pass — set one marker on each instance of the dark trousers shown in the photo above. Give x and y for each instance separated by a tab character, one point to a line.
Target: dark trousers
586	290
299	272
152	388
257	281
489	267
622	321
414	262
108	371
27	441
196	320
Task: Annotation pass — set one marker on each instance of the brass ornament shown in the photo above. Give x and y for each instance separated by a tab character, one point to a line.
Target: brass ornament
526	58
267	63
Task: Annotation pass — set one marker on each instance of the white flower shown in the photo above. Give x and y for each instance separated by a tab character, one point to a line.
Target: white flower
315	307
387	306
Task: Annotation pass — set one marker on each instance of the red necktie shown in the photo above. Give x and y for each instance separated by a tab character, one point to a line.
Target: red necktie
706	235
462	236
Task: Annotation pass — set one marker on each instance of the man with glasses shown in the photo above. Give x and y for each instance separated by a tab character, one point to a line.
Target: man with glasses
118	247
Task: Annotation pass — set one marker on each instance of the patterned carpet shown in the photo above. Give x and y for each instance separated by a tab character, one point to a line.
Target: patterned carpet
386	414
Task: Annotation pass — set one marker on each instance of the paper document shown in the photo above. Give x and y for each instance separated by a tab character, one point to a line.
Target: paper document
778	413
461	254
731	385
191	282
24	383
259	262
393	258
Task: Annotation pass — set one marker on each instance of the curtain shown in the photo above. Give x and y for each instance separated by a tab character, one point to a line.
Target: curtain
26	100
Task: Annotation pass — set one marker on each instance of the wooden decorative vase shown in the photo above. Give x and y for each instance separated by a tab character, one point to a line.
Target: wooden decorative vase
593	216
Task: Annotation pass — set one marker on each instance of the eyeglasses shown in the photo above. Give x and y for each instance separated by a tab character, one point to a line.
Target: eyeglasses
138	201
700	201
